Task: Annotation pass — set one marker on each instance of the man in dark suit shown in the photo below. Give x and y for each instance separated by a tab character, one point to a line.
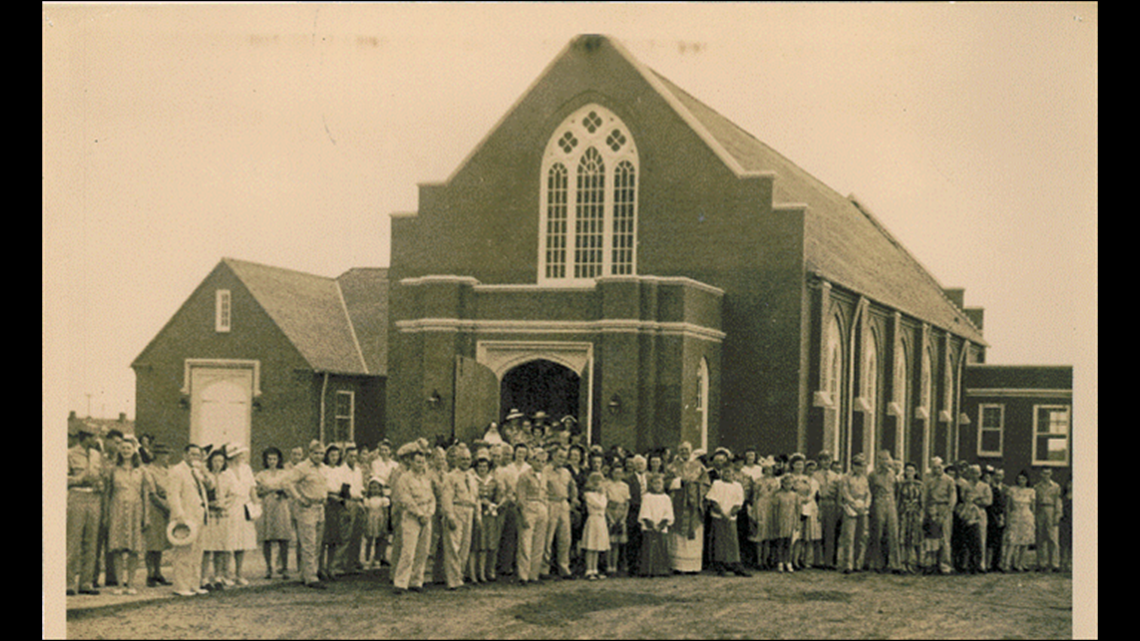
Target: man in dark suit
638	483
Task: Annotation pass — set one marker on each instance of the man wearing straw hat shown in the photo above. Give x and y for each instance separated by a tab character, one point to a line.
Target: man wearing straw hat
186	496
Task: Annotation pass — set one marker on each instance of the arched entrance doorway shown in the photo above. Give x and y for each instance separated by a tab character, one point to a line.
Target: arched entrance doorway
541	385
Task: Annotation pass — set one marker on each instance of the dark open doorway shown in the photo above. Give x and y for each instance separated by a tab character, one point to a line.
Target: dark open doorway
540	385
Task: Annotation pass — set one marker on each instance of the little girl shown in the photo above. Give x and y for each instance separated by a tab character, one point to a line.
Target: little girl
786	513
376	526
595	534
617	513
656	516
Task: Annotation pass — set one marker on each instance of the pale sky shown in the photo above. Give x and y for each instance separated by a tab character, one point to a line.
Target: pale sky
175	135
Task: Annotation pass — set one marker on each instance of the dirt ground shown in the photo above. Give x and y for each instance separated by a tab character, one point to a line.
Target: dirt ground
809	604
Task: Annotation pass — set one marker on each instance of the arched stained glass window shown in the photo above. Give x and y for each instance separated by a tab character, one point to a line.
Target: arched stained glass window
589	222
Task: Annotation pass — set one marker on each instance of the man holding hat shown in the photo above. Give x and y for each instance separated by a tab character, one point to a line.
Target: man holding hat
975	497
308	487
941	498
186	496
84	510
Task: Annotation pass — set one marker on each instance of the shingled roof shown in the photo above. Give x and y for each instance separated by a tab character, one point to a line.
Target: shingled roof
314	314
365	291
845	243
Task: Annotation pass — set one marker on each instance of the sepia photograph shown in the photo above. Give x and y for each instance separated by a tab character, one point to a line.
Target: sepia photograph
569	320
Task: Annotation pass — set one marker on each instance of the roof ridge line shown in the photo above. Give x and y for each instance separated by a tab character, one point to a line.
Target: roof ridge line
351	326
655	81
502	119
228	259
863	209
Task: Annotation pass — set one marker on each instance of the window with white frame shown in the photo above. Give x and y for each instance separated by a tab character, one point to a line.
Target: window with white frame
991	429
344	429
1051	434
588	222
222	310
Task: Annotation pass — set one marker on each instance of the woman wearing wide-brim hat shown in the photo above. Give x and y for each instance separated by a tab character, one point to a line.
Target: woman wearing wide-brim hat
246	508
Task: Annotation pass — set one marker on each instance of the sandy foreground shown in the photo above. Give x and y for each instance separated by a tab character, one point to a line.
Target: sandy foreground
807	604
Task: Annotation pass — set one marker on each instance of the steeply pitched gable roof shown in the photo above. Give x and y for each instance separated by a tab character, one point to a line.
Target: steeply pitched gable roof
310	310
845	243
365	291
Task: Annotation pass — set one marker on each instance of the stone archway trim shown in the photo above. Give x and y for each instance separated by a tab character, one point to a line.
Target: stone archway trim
502	356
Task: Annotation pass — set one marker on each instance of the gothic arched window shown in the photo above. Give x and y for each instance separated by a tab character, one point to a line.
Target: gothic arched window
589	200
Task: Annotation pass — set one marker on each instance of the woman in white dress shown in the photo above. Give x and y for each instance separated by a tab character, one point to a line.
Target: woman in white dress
247	508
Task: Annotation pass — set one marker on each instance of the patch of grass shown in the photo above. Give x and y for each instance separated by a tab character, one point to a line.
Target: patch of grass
560	609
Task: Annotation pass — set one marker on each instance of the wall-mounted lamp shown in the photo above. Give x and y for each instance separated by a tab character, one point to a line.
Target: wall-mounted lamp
434	399
257	405
184	402
614	404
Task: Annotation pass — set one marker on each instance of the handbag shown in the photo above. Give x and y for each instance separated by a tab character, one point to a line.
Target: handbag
252	511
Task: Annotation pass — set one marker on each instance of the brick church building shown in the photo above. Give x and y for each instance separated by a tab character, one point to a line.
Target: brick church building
618	251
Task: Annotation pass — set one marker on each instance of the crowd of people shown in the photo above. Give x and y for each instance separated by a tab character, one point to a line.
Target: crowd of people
533	502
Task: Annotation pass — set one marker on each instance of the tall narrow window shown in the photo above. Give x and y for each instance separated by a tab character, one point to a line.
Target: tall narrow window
590	210
871	394
926	402
345	410
833	385
902	401
588	219
625	195
222	310
991	429
556	188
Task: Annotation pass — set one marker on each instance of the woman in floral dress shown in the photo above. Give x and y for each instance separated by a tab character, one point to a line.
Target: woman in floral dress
911	508
276	516
1021	525
130	490
761	513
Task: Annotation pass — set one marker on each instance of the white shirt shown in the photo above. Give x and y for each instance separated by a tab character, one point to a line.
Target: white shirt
382	469
727	495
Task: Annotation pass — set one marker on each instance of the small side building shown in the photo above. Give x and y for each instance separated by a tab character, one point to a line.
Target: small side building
1020	417
267	356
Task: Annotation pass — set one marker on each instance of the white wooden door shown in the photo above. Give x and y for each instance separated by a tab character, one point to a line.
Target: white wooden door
220	406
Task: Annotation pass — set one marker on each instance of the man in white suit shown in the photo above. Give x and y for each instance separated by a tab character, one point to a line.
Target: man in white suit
186	495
